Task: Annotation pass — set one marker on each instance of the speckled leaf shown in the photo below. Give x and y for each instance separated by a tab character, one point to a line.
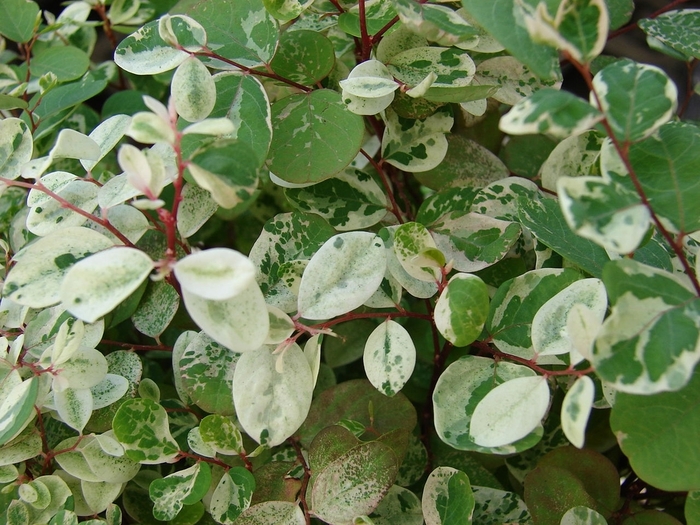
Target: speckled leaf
399	505
389	357
459	390
193	90
144	52
39	269
635	98
516	302
141	426
514	80
183	487
582	516
304	56
342	275
447	497
461	310
351	200
272	393
16	146
575	410
632	350
285	10
416	145
242	31
355	483
550	334
369	79
232	495
74	406
156	309
677	29
473	241
574	156
206	373
220	433
495	507
314	136
278	512
97	284
555	113
415	287
196	208
52	215
217	273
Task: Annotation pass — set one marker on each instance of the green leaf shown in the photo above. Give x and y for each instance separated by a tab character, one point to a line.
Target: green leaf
459	390
665	164
184	487
447	497
144	52
461	310
677	29
314	136
437	23
389	357
232	495
17	408
354	484
217	273
206	374
66	62
351	200
552	112
303	56
504	19
97	284
278	512
636	98
193	90
692	508
399	505
141	426
10	102
15	147
66	96
342	275
494	507
632	350
272	393
39	269
582	516
17	20
242	31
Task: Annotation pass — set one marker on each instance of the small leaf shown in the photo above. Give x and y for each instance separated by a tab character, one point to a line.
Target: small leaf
461	309
141	426
677	29
184	487
156	309
447	497
196	208
221	433
217	273
389	357
86	460
277	512
144	52
232	495
74	406
193	90
96	285
17	409
494	507
16	146
303	56
575	410
182	32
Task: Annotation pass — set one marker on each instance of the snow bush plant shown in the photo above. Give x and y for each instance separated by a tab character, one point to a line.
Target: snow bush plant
347	262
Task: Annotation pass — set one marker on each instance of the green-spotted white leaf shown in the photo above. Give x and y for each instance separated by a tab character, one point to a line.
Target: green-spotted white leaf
144	52
415	287
193	90
16	146
220	433
217	274
416	145
447	497
367	106
141	426
74	406
97	284
550	335
158	306
514	80
85	369
459	390
111	389
389	357
342	275
510	411
575	410
196	208
53	215
184	487
23	447
632	350
558	114
462	308
85	459
494	507
369	79
354	483
677	29
278	512
232	495
281	326
182	32
574	156
99	495
17	408
272	393
582	516
417	252
35	279
240	323
636	98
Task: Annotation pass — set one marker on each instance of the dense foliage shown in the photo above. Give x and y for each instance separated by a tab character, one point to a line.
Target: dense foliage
347	262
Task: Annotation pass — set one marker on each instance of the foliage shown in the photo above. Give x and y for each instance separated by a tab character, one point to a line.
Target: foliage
206	231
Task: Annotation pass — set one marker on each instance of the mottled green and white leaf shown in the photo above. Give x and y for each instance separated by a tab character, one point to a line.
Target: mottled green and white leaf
232	495
141	426
186	486
461	309
574	156
576	409
16	146
389	357
144	52
193	90
447	497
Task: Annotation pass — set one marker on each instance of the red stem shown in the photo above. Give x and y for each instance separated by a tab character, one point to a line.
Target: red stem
364	35
304	481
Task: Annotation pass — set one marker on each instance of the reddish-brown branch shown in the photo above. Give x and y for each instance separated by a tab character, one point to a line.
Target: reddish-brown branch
304	480
366	41
379	34
629	27
144	348
338	6
689	92
213	461
387	186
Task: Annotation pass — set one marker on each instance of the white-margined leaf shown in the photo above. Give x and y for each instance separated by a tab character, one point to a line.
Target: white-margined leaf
217	273
415	287
417	252
575	410
514	80
399	505
193	90
144	52
182	32
437	23
87	461
107	135
184	487
369	79
17	407
96	285
447	497
221	433
462	309
574	156
389	357
272	393
342	275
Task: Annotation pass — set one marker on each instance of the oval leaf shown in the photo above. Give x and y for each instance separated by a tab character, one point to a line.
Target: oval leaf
217	274
389	357
461	310
193	90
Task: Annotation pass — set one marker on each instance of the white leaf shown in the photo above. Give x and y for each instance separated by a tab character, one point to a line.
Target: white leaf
342	275
575	410
312	351
96	285
111	389
99	495
74	145
211	126
196	208
193	90
85	369
216	274
510	411
106	136
270	404
281	326
389	357
74	405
